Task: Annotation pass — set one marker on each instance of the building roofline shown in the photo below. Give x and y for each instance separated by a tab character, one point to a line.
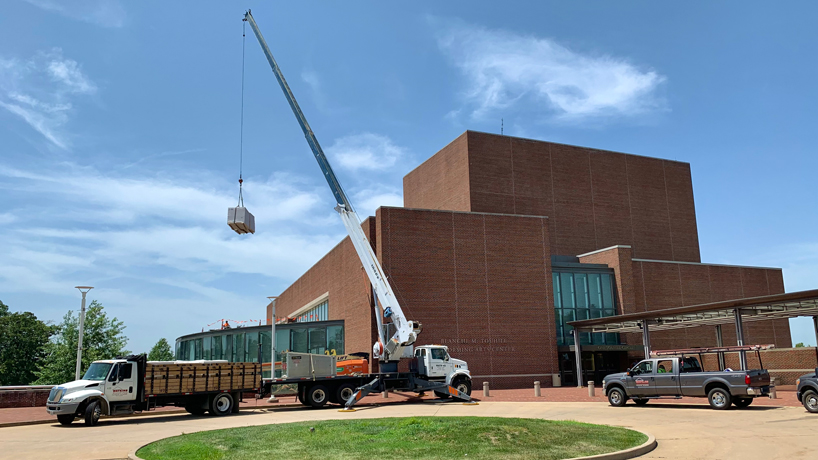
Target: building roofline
577	146
616	246
703	263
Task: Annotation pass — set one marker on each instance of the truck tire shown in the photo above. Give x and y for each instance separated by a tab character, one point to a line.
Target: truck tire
640	402
617	397
317	396
302	394
222	404
810	401
462	385
719	398
66	419
741	403
92	413
344	392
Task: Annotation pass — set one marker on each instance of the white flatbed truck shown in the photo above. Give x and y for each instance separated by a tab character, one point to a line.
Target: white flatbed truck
132	384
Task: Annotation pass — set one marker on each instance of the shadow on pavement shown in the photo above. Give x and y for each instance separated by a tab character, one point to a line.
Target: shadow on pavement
701	406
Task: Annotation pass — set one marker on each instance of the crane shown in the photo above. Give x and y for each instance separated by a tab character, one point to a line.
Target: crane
406	332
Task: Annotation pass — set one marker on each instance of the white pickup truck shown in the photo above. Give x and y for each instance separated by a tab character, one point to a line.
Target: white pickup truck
132	384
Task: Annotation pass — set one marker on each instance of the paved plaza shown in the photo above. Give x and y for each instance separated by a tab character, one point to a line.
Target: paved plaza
683	431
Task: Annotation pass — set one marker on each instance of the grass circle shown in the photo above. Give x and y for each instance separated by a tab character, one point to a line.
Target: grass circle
410	437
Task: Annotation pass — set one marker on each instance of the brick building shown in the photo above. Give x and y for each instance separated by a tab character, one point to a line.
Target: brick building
503	240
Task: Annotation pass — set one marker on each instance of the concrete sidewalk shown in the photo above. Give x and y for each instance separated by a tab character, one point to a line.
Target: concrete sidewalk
683	432
786	398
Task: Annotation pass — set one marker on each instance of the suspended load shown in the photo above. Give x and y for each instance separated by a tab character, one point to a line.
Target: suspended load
239	218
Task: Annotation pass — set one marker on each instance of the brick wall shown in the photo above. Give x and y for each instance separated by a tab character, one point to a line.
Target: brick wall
660	285
785	364
479	283
341	274
593	198
23	398
442	181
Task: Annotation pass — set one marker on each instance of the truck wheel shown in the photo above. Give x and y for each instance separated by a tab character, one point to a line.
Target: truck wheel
302	394
92	413
719	398
65	419
222	404
462	385
317	396
741	403
640	402
616	397
344	392
810	401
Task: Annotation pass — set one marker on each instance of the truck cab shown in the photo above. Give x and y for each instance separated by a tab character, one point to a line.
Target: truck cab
434	363
108	387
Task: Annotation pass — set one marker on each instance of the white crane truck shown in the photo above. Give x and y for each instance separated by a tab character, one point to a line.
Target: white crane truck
431	368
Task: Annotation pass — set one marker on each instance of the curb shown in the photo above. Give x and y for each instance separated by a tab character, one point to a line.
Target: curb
633	452
143	414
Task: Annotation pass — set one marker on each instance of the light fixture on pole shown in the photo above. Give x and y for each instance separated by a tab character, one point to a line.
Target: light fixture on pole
272	345
84	290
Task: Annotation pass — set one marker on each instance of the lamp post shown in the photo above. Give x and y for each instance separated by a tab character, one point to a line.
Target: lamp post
84	290
273	345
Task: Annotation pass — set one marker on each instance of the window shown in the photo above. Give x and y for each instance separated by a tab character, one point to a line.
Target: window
335	340
125	370
645	367
252	347
438	353
691	364
238	348
579	296
318	340
664	366
114	373
317	313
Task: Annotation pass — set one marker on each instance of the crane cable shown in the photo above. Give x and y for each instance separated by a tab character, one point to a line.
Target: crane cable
241	135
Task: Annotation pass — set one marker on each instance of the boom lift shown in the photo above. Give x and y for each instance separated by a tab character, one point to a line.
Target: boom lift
388	351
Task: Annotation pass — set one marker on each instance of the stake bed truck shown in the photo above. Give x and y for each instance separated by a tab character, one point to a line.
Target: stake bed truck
132	384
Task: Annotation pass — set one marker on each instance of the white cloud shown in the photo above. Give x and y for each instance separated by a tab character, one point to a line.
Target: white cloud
507	70
366	151
367	201
105	13
40	91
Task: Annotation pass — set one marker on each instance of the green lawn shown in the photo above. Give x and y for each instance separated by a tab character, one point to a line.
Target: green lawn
414	437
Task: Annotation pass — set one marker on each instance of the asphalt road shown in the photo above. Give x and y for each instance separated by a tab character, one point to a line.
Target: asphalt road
683	432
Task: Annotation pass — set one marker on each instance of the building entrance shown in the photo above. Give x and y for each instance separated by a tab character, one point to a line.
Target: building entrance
595	365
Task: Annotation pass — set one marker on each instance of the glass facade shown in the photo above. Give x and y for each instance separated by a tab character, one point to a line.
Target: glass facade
581	295
242	344
317	313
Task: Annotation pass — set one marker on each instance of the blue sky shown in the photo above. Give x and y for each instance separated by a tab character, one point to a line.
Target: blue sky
119	132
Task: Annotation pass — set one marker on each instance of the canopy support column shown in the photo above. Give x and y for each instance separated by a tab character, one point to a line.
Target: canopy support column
646	338
578	355
815	326
740	339
720	343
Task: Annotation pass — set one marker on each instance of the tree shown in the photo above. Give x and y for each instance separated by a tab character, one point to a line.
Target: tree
161	351
23	342
800	345
102	339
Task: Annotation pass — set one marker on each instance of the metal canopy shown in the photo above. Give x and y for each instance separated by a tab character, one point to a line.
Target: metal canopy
777	306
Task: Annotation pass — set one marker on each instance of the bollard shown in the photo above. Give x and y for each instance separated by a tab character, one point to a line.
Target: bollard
385	394
537	388
485	389
773	394
591	389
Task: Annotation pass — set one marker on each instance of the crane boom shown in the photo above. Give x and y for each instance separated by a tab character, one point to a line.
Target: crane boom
406	331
